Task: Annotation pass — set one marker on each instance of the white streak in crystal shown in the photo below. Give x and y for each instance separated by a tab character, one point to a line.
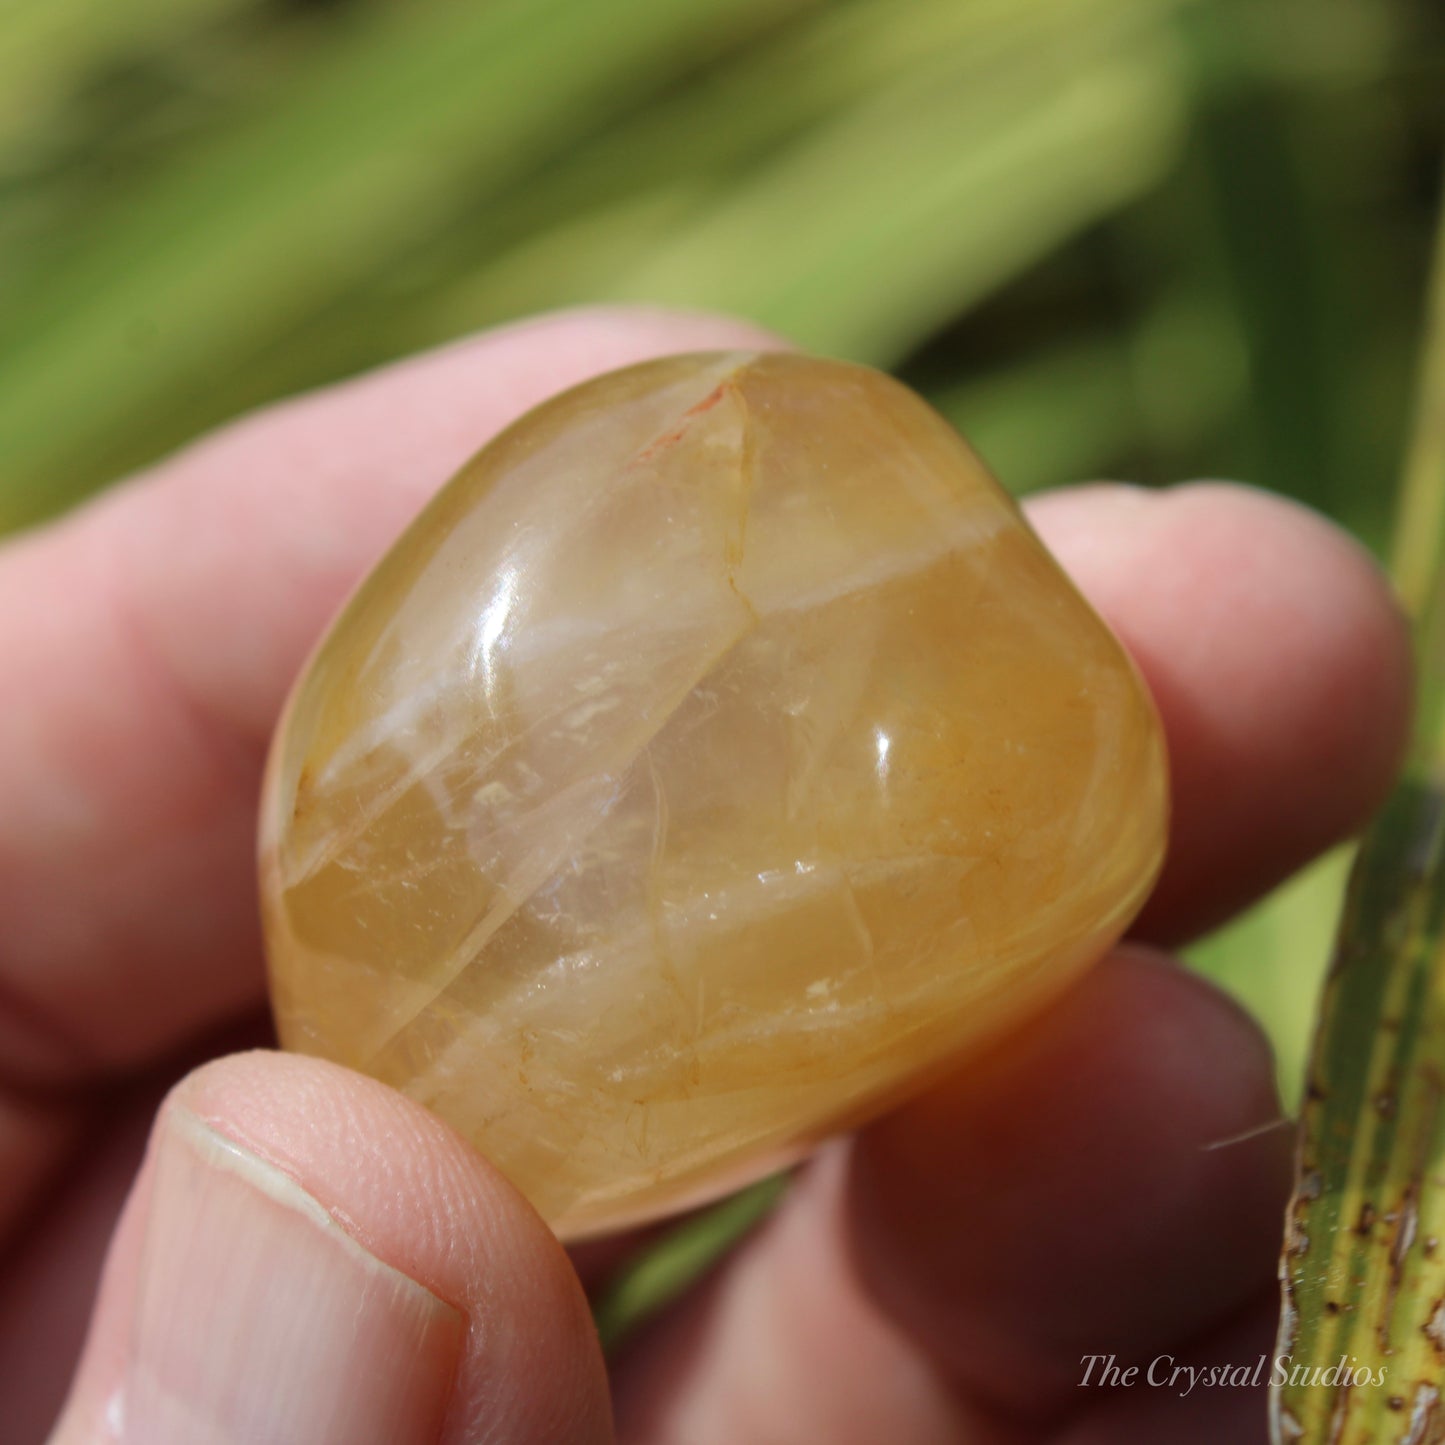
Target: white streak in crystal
781	594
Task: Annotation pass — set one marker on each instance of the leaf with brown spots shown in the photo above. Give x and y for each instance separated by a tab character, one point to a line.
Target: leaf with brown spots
1362	1334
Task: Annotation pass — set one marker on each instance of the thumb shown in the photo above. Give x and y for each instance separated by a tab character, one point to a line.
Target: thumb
307	1256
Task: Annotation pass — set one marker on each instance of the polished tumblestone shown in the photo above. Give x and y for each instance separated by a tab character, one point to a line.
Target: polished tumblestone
716	757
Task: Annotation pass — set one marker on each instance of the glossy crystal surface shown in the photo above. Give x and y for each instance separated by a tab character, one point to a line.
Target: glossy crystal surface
718	755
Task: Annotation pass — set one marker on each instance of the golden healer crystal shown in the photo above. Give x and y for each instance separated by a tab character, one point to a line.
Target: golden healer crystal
715	758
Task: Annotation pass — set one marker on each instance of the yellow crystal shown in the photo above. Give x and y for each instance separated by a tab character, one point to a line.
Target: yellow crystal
717	756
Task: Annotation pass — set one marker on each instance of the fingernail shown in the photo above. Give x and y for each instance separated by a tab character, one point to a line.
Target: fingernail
259	1318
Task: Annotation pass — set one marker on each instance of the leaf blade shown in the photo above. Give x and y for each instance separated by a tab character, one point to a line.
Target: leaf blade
1363	1270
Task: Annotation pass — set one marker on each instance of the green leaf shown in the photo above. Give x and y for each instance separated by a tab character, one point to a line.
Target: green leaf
51	46
670	1267
1362	1336
929	197
361	152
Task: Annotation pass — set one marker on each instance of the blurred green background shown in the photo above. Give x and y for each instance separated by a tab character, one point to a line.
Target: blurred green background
1141	238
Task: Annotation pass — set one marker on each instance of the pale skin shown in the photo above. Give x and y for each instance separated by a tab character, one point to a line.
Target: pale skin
1109	1181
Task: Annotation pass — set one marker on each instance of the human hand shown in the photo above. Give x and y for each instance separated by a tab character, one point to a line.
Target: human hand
306	1256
